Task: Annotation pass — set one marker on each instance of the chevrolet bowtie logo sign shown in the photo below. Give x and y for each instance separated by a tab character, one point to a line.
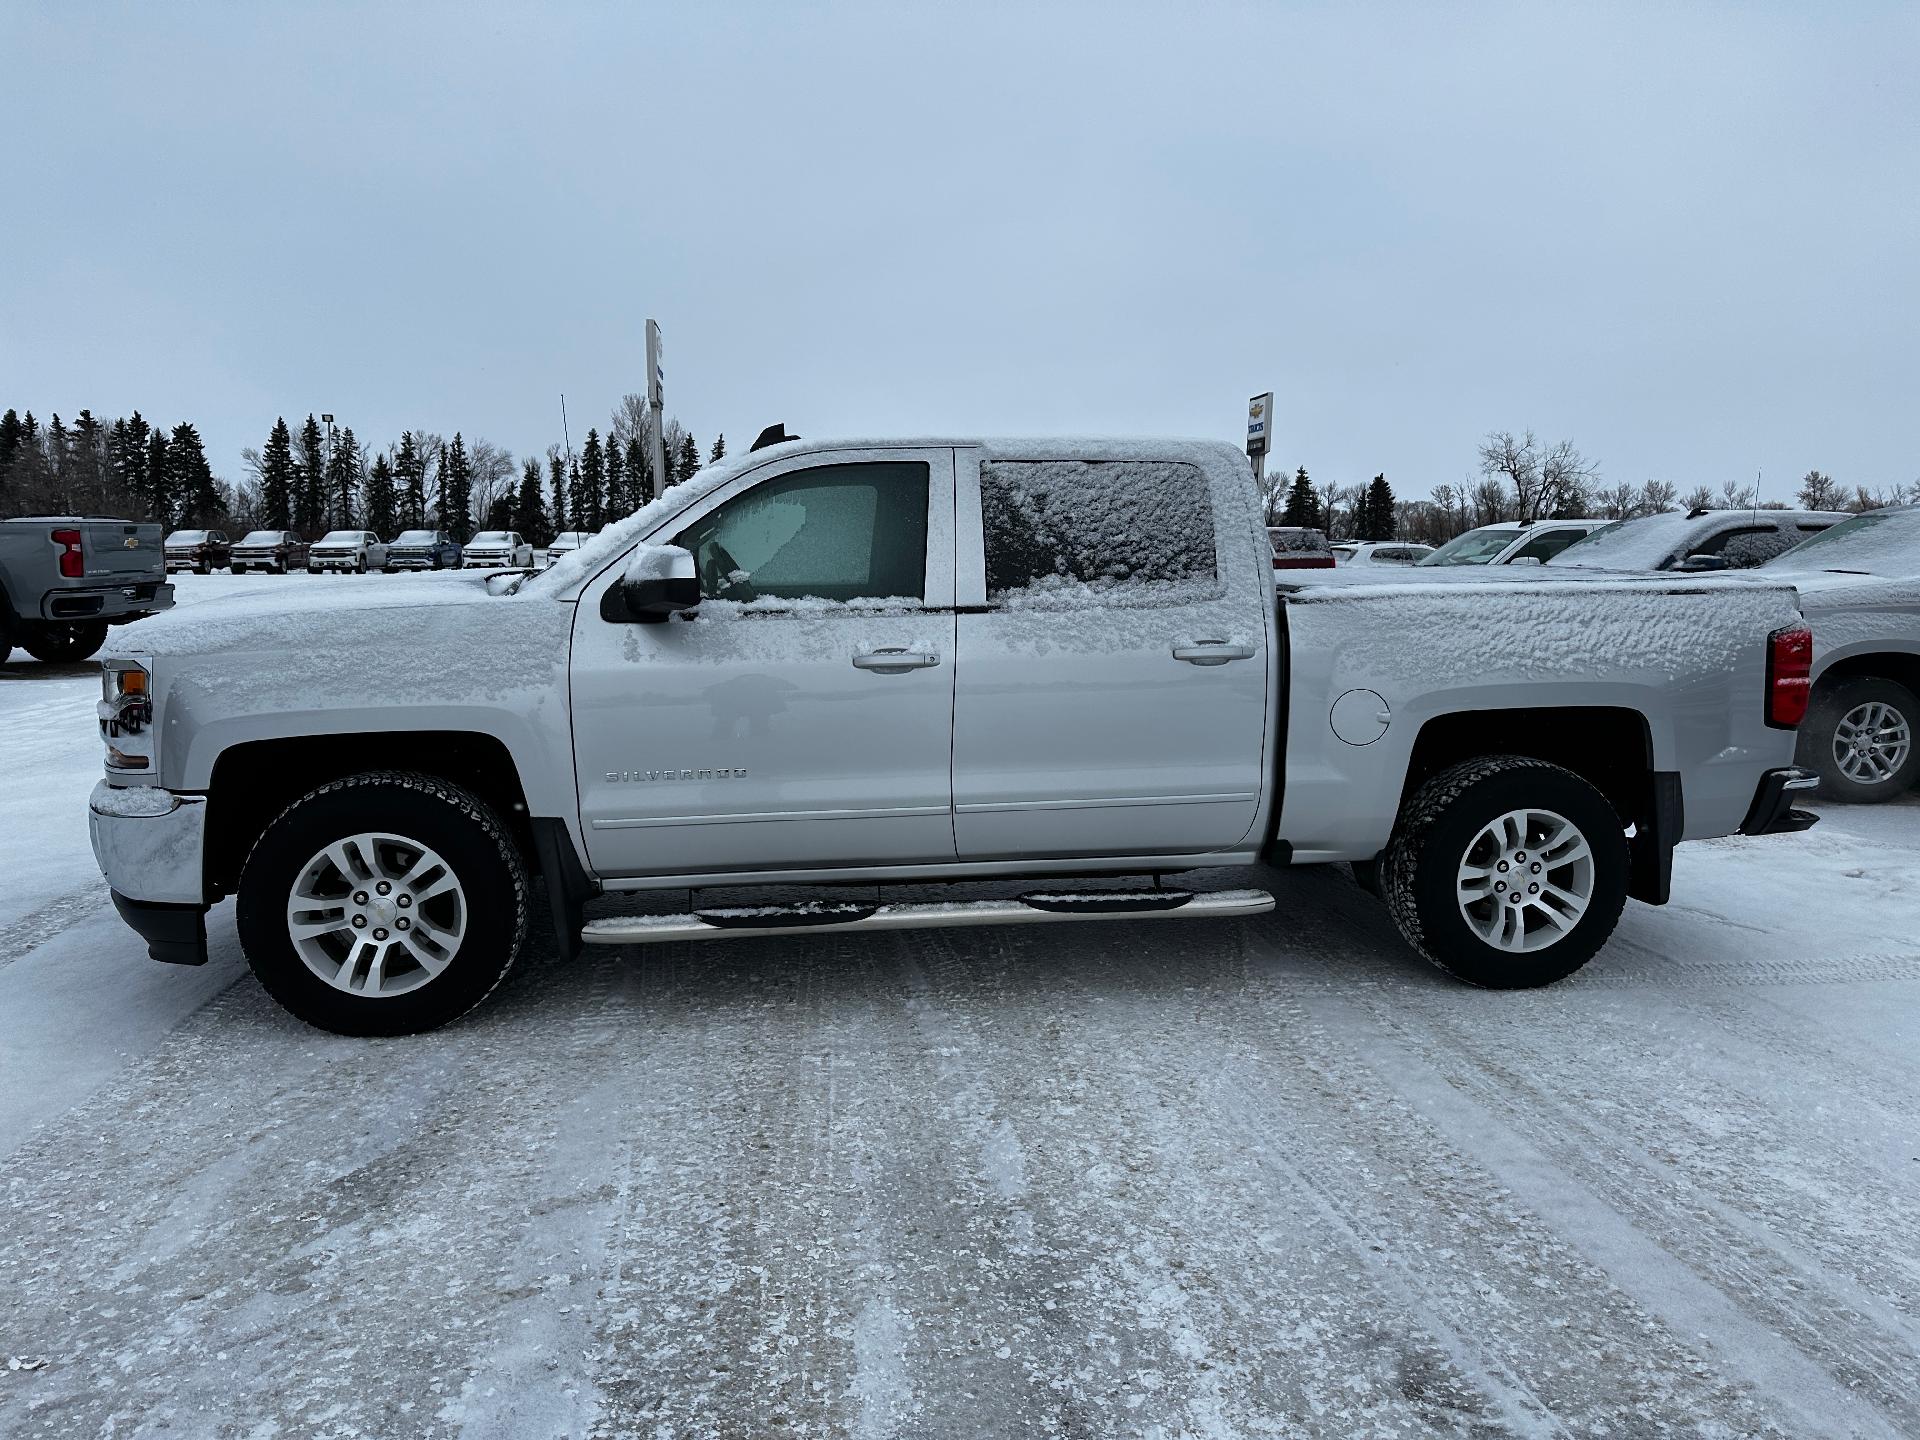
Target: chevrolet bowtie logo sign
132	542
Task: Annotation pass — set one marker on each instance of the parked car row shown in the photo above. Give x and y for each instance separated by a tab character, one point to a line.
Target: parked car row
358	551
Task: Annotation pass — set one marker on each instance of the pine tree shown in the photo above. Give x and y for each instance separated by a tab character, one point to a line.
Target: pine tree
558	475
11	431
639	472
592	499
86	469
689	464
410	477
530	507
619	503
380	500
1303	504
164	502
456	490
343	478
56	464
1381	521
719	450
132	467
310	492
190	478
277	478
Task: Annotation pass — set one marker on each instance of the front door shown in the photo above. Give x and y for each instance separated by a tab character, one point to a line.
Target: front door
1113	677
802	719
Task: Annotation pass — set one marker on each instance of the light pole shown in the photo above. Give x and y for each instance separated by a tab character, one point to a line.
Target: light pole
327	420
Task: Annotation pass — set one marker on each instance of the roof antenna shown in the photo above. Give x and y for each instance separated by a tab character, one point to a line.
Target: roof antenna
772	435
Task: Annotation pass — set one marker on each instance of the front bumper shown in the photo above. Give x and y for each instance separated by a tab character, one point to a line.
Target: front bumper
1772	812
409	562
149	842
487	562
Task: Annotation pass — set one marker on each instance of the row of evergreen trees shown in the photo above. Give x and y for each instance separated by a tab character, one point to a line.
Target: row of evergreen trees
1367	512
127	466
313	480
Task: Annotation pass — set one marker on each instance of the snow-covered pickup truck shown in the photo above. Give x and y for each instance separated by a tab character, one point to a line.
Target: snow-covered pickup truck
866	663
65	578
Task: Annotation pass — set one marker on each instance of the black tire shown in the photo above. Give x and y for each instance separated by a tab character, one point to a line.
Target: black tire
431	812
238	570
6	632
360	565
1419	871
203	568
56	642
313	569
1818	737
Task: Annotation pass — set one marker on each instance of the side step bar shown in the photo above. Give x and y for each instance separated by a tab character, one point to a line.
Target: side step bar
814	917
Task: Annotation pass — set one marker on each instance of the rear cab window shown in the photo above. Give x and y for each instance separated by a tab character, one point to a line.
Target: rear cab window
1108	532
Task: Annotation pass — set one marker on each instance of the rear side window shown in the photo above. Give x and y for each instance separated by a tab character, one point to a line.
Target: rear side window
835	532
1120	531
1743	549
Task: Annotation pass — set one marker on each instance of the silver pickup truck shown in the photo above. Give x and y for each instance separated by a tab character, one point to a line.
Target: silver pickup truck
65	578
1062	665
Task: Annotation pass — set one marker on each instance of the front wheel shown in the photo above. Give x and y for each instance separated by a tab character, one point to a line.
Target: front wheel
57	641
1859	736
383	904
1507	872
360	566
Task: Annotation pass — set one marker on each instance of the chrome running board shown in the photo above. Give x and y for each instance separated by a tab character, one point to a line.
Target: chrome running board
811	918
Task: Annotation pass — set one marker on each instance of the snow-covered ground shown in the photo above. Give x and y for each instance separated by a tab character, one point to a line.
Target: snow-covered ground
1241	1178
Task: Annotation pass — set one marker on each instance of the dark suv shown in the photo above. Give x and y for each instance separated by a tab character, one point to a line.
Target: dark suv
423	550
276	551
201	551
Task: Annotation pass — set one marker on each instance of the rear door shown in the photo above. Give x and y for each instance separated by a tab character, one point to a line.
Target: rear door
1111	691
803	718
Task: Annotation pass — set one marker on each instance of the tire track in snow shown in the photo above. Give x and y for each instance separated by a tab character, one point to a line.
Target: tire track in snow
49	922
1455	1251
1249	1318
1686	1208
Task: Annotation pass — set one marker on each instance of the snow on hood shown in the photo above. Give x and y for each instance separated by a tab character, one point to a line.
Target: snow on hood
296	614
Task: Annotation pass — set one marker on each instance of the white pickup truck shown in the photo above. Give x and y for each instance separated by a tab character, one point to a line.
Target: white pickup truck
1058	663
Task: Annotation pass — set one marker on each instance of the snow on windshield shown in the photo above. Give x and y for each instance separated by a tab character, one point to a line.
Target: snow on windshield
489	537
186	537
415	537
1882	542
351	537
1645	542
261	537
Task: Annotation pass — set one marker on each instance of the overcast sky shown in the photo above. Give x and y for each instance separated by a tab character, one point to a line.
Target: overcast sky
1687	237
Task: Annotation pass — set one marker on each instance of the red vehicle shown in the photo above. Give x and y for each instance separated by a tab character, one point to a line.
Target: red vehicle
1299	547
275	551
201	551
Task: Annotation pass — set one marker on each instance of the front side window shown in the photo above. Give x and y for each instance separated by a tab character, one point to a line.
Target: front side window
835	532
1545	546
1118	531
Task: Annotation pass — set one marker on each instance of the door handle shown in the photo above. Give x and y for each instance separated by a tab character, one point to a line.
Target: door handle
1212	652
894	661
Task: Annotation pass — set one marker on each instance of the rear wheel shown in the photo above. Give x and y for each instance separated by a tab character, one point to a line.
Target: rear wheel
58	641
1507	872
6	632
1860	736
383	904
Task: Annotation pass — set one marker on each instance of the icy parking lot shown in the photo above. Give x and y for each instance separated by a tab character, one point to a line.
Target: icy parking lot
1245	1178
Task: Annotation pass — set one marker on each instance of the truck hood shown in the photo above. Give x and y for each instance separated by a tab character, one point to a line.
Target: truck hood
378	616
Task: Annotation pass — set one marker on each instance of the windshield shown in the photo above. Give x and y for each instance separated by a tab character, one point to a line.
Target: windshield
415	537
1883	542
261	537
1476	547
186	537
1646	542
489	537
342	537
566	537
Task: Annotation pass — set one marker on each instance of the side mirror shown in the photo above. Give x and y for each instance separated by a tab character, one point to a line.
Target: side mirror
1703	562
659	581
1526	560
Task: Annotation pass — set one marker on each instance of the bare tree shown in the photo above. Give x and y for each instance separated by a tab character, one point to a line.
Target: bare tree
493	476
1698	498
1657	495
1273	492
1618	502
1735	496
1819	492
1546	479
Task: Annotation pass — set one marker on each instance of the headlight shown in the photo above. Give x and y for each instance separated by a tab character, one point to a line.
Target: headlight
126	714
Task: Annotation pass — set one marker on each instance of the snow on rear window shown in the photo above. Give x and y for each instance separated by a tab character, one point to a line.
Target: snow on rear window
1882	542
1096	532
